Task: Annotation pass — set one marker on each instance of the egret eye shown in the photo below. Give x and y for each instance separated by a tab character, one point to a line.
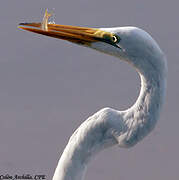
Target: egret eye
114	38
110	38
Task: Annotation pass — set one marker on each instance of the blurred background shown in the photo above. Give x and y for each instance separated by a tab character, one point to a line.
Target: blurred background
48	87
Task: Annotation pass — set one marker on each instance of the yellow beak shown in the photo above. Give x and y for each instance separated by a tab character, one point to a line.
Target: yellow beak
75	34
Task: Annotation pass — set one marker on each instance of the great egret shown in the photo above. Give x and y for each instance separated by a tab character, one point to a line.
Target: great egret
108	126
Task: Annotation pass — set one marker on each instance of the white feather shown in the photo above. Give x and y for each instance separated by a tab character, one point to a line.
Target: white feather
108	126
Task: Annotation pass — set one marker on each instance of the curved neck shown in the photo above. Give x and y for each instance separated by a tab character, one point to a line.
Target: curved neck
89	138
141	118
84	144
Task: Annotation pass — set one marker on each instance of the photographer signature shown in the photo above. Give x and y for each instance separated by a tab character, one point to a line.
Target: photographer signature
22	177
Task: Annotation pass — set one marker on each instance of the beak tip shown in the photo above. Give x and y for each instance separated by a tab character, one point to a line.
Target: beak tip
20	25
23	24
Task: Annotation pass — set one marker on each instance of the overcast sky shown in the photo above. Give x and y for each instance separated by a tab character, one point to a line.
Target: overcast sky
48	87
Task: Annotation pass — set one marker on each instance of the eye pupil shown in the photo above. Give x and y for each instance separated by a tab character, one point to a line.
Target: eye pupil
114	38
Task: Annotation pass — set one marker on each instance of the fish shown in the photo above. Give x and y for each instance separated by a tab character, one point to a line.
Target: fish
44	24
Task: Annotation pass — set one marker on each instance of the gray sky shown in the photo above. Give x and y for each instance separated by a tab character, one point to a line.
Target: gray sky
48	87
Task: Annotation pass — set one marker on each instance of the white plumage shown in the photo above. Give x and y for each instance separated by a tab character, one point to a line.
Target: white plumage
108	126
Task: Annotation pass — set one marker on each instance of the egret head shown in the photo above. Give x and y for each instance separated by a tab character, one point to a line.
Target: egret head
135	46
128	43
